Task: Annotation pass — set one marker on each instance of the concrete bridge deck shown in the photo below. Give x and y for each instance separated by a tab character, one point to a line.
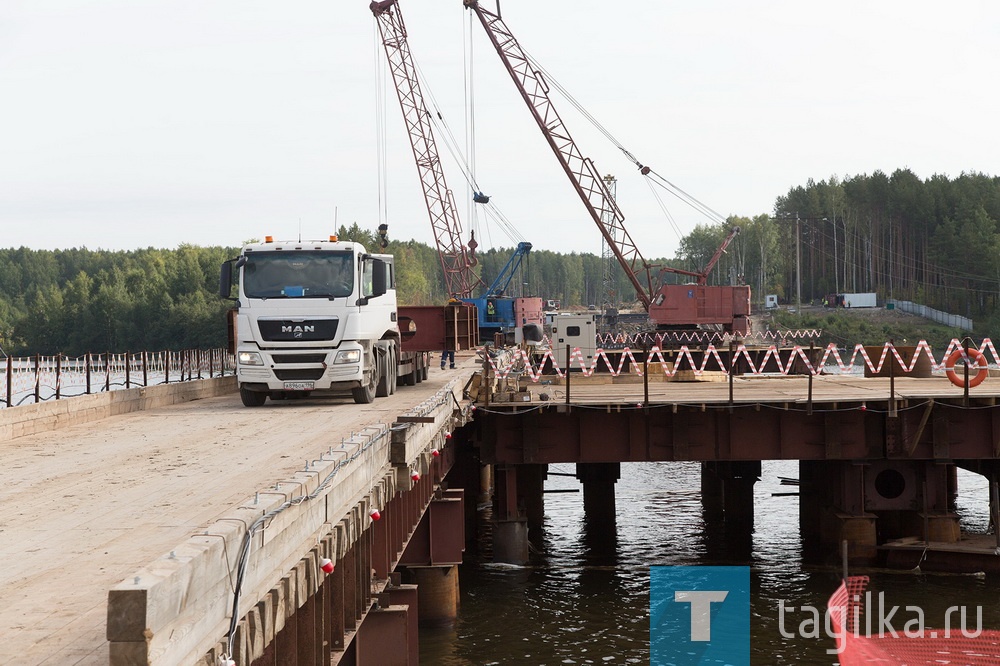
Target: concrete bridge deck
84	506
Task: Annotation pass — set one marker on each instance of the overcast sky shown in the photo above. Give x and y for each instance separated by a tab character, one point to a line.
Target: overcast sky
127	124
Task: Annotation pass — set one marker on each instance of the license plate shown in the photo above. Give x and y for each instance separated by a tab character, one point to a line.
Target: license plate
300	386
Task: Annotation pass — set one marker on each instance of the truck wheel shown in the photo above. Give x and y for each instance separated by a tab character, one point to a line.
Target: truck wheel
252	398
364	395
387	379
394	371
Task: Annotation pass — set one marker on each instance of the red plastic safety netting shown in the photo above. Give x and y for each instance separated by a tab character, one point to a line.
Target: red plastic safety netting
932	646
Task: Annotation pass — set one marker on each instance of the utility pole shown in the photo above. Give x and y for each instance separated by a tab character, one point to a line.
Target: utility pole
798	268
836	268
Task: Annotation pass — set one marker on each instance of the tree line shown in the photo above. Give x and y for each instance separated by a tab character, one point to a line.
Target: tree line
935	241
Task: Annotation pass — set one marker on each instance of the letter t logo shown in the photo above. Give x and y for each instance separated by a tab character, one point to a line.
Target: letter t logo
701	607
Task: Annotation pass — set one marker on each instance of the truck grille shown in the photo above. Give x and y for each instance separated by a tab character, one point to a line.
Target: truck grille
302	374
298	358
309	330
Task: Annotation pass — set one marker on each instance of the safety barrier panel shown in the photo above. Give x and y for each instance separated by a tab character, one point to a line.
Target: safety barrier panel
912	645
946	318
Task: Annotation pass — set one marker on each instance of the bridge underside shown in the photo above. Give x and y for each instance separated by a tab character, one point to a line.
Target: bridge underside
869	473
928	430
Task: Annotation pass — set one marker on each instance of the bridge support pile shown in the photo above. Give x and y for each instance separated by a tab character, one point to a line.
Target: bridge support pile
867	503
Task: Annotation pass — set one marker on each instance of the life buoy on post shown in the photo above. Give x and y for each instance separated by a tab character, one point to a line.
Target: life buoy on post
978	360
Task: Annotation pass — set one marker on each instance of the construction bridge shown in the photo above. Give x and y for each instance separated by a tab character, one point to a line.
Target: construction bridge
171	525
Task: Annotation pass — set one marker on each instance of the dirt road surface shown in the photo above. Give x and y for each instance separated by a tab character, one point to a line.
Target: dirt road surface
84	507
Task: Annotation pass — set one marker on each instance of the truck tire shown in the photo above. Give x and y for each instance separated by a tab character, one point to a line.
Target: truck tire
252	398
364	395
410	378
395	370
387	378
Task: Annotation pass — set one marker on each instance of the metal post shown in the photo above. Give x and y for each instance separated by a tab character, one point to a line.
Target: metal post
892	379
809	397
58	375
166	367
211	363
732	371
10	380
86	363
145	368
486	376
107	371
37	377
197	356
568	373
645	378
128	369
965	390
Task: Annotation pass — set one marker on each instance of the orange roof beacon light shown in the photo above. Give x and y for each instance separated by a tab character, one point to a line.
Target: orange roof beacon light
268	239
333	238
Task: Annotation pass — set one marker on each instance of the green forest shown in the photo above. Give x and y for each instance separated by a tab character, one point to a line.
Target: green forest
934	241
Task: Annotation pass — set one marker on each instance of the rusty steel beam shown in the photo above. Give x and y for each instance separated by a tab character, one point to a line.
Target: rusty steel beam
769	432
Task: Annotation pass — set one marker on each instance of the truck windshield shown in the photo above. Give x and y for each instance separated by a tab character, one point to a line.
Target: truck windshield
296	274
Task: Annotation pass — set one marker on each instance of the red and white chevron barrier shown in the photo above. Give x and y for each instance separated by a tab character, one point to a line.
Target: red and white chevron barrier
521	363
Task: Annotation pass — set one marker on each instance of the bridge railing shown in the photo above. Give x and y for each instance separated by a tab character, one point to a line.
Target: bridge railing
788	361
34	379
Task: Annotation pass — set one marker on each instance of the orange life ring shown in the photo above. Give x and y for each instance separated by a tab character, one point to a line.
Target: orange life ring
977	357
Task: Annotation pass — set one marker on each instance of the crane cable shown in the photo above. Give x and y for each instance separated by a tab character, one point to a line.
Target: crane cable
381	173
468	82
439	122
645	170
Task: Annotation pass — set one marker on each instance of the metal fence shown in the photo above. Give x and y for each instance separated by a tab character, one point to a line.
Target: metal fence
955	321
34	379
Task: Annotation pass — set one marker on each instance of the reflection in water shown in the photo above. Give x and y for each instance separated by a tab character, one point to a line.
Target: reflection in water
584	599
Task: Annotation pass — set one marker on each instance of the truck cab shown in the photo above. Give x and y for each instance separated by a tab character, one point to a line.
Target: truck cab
312	316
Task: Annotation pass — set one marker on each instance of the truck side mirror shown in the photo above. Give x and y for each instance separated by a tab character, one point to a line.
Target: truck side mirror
226	280
379	285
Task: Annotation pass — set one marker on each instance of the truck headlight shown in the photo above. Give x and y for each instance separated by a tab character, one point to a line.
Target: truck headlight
250	358
348	356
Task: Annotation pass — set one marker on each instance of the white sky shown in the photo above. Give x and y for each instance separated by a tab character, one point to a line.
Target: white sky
138	123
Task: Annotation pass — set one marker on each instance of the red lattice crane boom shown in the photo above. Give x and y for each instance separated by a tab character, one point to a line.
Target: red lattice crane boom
581	170
670	306
457	260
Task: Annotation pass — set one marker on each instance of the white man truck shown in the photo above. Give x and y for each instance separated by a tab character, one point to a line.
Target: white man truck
316	316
